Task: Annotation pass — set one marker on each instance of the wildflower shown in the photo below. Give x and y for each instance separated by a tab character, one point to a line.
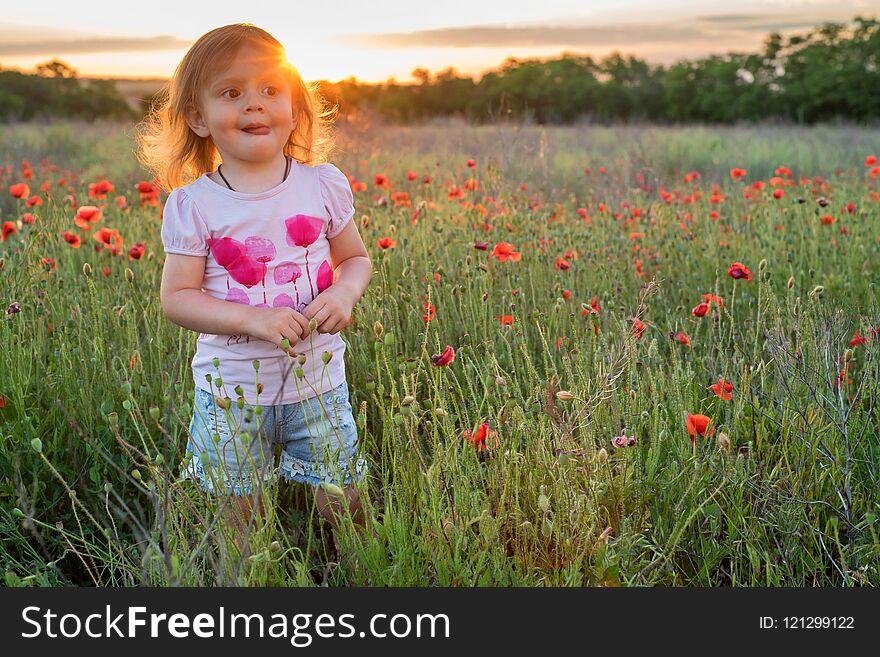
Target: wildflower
683	339
445	358
19	190
471	164
711	298
479	437
430	312
386	243
411	175
8	229
71	239
871	160
592	309
722	389
562	264
700	309
86	215
623	441
13	308
857	339
505	320
698	425
481	246
638	327
778	193
137	251
737	173
738	270
505	251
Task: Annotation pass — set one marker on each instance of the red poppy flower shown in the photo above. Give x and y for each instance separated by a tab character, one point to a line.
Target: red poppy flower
48	262
700	309
19	190
738	270
562	264
857	339
566	294
481	246
699	425
430	312
737	173
109	238
592	309
722	389
71	239
505	320
86	215
100	189
505	251
638	327
386	243
683	339
711	298
137	251
471	164
871	160
778	193
444	359
9	228
483	438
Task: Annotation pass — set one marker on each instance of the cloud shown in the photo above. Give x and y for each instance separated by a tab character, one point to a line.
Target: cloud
56	47
529	36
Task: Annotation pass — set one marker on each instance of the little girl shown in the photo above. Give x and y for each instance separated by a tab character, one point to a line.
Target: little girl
265	263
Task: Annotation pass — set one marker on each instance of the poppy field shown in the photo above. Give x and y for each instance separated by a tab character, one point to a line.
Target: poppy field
588	356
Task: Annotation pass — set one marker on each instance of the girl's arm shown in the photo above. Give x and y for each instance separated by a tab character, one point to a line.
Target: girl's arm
186	305
352	270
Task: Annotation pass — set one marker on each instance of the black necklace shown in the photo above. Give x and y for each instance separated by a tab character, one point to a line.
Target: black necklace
286	171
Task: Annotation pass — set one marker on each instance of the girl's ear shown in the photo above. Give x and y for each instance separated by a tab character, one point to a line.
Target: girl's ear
196	122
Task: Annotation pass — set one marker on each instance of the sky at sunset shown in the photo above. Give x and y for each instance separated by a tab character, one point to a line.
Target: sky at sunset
377	40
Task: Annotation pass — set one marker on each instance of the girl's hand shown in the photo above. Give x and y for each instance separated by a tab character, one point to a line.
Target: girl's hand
275	324
331	310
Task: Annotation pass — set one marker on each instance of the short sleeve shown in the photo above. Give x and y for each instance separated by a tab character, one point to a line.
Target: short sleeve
338	199
183	229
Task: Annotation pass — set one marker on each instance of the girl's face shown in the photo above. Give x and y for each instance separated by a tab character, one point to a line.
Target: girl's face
255	89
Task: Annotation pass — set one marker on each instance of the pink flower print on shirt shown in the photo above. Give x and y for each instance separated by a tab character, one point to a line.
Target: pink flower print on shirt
325	276
232	255
283	300
261	250
237	295
303	230
287	272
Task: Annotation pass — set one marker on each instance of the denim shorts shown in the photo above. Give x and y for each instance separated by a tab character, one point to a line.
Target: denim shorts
235	446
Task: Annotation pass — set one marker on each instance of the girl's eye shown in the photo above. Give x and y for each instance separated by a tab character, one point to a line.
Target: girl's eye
274	89
228	90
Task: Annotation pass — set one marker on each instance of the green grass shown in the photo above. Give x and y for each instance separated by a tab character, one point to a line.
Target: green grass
793	500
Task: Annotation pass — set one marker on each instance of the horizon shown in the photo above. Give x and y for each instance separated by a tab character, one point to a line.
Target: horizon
384	42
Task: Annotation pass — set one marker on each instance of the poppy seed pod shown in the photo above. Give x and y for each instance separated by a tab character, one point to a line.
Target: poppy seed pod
790	283
129	275
762	265
378	330
564	395
602	456
87	269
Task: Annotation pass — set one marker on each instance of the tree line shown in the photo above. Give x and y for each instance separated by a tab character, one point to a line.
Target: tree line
831	72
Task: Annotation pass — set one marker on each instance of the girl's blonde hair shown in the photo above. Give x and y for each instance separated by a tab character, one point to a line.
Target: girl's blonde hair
177	156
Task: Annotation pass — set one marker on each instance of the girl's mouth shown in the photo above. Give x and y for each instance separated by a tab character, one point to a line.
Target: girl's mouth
257	131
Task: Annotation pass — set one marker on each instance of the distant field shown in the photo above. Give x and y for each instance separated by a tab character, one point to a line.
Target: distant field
666	371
